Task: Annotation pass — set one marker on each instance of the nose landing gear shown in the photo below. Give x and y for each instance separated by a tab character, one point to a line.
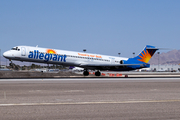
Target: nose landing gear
14	66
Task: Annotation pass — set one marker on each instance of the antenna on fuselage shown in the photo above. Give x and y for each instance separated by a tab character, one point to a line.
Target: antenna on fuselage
36	45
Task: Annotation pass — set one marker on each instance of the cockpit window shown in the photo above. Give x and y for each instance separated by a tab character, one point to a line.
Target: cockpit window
15	48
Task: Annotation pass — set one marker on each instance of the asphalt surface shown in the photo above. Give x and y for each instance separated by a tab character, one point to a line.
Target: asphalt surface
99	99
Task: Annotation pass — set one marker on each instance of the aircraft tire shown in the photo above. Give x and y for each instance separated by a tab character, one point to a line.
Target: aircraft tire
98	73
85	73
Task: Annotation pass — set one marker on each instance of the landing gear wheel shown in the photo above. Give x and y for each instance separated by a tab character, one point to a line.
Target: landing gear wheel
11	64
86	73
98	73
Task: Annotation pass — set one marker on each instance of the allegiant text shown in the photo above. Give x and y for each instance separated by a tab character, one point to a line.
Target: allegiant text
47	56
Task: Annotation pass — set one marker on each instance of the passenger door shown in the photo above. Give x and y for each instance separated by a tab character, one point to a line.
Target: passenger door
23	51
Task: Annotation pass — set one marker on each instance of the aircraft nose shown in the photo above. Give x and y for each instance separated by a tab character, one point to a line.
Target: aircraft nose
7	54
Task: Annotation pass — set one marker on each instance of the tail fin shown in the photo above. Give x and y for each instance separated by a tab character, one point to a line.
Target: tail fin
144	56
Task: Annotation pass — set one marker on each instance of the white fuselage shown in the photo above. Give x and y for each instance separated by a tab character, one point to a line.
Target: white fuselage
61	57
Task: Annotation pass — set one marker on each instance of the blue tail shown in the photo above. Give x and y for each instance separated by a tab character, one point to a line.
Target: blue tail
144	56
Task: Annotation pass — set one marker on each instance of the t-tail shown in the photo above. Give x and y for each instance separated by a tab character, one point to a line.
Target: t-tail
143	56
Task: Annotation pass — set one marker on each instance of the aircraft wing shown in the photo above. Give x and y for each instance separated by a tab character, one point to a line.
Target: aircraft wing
112	66
108	65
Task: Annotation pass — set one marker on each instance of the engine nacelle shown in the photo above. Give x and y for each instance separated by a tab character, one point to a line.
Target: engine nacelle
121	62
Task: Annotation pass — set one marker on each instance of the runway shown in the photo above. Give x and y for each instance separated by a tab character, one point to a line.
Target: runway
88	98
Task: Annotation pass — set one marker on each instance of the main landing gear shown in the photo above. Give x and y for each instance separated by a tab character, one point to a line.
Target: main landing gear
86	73
98	73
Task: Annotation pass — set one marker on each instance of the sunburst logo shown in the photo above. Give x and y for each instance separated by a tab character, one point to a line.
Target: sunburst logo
51	51
145	56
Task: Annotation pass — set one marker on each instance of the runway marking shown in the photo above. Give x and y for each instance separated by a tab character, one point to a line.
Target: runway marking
86	103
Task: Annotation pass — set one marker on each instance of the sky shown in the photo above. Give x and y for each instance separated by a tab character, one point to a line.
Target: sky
104	27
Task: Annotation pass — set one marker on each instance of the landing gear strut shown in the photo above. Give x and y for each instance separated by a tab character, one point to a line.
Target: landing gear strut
11	64
14	66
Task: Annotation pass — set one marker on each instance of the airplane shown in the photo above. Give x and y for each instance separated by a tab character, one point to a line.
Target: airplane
88	61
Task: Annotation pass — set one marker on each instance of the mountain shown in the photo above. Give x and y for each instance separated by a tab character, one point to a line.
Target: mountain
171	57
